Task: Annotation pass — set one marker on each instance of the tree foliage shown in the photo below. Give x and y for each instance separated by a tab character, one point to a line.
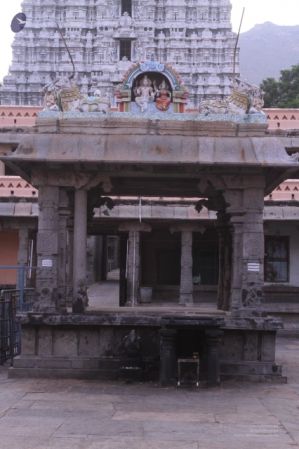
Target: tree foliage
283	93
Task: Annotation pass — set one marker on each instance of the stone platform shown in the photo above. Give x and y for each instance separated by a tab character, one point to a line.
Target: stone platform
98	344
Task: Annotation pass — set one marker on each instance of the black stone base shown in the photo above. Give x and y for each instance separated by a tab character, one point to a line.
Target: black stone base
134	347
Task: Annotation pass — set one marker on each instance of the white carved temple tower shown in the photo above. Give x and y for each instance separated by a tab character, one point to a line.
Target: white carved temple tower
106	37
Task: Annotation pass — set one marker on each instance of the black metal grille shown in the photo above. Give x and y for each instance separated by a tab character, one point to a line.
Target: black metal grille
10	328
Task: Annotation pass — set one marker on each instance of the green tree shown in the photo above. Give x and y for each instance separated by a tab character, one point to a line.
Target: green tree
283	93
271	92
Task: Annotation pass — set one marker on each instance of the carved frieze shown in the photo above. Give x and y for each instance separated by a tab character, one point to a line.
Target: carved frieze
71	178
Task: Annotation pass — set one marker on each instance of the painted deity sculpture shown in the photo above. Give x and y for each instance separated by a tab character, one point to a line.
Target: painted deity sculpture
163	97
144	93
151	86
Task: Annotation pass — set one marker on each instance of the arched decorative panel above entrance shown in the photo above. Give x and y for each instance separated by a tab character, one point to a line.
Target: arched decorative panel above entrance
151	86
154	67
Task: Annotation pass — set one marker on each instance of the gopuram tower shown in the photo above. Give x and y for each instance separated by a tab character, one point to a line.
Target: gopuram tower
106	37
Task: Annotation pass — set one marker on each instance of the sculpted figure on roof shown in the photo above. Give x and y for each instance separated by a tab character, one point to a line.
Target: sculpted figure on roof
144	93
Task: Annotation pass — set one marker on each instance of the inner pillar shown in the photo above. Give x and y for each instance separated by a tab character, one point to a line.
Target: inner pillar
133	268
2	169
224	281
70	262
104	267
23	256
80	251
186	282
186	279
23	246
122	272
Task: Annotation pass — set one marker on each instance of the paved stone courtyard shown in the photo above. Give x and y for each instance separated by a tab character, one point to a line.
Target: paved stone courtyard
73	414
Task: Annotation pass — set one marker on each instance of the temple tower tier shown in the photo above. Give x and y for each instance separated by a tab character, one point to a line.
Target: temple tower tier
106	37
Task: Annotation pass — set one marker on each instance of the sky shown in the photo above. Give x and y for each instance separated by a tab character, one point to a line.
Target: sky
256	11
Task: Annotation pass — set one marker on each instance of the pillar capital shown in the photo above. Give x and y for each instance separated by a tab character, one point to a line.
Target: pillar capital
87	181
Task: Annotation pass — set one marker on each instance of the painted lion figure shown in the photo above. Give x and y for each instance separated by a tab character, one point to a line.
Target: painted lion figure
244	99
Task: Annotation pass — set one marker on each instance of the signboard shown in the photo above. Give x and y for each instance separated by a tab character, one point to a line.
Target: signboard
254	267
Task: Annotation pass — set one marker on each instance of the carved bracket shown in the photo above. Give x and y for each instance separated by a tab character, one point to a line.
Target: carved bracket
86	181
96	200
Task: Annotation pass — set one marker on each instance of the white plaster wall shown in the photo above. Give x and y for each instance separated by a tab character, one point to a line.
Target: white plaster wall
292	231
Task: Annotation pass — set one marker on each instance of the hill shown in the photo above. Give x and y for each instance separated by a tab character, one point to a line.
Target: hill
267	49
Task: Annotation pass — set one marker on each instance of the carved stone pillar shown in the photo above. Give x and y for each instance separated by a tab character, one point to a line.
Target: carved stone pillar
133	268
224	280
80	251
70	262
47	249
167	356
237	262
104	265
248	252
220	268
213	337
122	272
2	169
23	246
253	268
63	259
22	256
133	259
186	281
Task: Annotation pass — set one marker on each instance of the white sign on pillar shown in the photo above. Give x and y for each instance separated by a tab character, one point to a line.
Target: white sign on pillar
254	267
